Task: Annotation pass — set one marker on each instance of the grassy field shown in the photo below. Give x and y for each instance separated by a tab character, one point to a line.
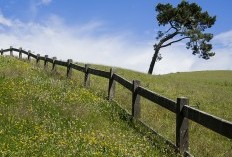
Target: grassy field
44	114
208	91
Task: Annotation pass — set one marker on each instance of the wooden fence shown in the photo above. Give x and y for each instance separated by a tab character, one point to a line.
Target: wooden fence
180	107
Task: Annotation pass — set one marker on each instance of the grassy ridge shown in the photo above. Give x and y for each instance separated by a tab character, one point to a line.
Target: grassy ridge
209	91
42	114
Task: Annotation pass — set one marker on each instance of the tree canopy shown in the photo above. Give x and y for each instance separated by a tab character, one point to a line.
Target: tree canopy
188	22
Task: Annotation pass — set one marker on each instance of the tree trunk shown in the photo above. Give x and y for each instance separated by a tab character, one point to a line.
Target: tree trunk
154	58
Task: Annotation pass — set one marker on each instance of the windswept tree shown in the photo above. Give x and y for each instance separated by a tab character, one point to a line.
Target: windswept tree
187	22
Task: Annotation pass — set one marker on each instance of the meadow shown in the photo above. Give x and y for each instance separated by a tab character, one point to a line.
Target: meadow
209	91
42	107
45	114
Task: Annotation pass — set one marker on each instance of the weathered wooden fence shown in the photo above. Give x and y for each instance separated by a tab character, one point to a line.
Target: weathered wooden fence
180	107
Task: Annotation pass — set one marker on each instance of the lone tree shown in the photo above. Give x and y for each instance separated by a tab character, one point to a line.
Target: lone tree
187	21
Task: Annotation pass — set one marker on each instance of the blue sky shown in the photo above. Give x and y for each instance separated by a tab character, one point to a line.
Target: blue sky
112	32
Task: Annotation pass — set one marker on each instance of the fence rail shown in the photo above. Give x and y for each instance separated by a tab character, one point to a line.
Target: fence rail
32	55
209	121
100	73
158	99
179	107
127	84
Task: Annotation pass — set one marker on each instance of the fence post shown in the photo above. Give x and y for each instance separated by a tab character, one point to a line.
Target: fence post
54	64
1	51
87	76
20	53
11	51
182	135
136	100
29	55
38	60
112	83
69	68
45	62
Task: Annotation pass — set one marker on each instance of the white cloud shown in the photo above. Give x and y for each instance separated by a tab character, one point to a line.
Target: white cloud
4	21
46	2
224	39
81	43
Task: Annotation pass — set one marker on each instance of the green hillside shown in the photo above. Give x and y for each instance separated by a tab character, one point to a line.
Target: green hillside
42	112
209	91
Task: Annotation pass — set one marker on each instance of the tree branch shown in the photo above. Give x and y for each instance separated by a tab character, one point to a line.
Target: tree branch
168	30
161	34
173	42
172	26
169	36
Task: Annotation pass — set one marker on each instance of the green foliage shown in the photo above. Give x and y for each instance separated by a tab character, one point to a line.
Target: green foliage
188	22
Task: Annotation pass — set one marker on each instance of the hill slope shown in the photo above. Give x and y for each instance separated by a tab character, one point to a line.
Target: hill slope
42	114
209	91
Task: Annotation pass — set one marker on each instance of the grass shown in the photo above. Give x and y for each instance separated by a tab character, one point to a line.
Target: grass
45	114
209	91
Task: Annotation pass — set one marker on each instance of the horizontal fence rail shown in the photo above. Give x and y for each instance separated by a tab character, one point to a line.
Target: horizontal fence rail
61	63
32	55
211	122
180	107
50	60
77	67
158	99
127	84
100	73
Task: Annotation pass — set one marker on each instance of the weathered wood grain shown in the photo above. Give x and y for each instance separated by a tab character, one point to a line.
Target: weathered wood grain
136	109
112	85
209	121
158	99
69	68
182	126
87	76
123	82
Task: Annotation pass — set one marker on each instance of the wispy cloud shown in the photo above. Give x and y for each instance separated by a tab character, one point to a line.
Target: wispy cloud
224	40
46	2
35	5
4	21
81	43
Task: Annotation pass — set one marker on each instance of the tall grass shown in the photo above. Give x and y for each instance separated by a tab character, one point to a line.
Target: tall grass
45	114
209	91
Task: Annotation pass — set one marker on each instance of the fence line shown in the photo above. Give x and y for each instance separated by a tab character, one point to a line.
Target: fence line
180	107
